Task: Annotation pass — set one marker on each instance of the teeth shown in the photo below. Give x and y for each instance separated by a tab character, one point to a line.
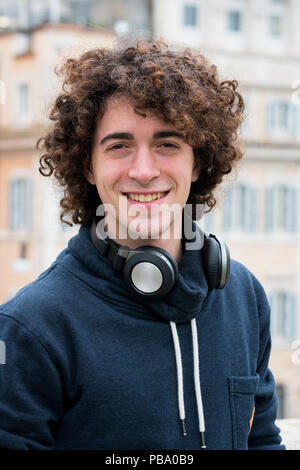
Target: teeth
145	198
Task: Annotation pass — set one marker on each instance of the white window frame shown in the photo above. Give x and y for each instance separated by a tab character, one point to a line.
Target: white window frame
240	208
284	306
20	203
23	115
281	208
276	124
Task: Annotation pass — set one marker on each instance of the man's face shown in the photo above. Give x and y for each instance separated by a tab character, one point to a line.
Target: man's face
135	157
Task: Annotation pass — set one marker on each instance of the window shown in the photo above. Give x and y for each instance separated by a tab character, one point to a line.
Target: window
22	43
240	208
23	107
275	25
283	315
281	208
282	117
20	210
190	15
234	20
276	18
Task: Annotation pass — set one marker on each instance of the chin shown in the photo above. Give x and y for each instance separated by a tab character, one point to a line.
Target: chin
153	230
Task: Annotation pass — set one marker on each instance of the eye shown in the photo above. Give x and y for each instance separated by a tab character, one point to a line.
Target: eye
117	147
169	145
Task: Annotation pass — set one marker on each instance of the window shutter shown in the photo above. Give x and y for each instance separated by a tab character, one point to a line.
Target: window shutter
269	206
270	117
291	212
291	327
13	205
20	200
28	204
251	208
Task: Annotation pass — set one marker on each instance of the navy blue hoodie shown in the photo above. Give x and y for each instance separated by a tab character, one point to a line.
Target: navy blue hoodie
87	366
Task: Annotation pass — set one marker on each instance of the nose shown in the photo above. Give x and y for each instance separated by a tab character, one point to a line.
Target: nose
144	167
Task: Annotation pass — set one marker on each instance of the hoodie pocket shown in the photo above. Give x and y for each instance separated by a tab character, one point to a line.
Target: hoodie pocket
242	392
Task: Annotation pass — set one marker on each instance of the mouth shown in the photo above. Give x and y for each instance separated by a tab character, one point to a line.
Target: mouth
146	198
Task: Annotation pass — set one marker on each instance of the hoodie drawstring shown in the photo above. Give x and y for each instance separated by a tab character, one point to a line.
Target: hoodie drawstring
179	376
196	379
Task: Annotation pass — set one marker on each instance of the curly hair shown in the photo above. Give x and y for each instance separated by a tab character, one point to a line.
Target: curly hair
181	87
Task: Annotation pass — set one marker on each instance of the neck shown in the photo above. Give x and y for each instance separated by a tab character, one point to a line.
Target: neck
165	240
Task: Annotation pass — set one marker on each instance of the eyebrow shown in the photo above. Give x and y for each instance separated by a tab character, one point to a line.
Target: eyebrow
156	135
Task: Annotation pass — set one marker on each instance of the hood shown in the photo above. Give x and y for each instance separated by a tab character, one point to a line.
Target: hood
181	304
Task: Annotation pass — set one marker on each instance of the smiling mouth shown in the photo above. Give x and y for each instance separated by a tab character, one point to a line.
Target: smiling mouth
136	197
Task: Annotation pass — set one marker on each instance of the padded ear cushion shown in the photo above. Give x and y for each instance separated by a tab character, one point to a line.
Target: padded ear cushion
212	262
227	264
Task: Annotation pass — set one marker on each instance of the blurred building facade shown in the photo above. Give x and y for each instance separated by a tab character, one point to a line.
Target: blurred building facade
124	16
31	234
257	42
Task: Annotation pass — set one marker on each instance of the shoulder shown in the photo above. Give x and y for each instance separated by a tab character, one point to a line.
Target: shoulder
36	300
244	278
246	285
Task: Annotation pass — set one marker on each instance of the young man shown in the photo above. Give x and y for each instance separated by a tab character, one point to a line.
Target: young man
134	338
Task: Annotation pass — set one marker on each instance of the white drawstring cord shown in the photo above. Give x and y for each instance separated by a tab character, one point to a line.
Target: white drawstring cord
196	379
197	382
179	376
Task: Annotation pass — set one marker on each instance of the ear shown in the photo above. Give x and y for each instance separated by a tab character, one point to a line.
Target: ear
196	171
88	172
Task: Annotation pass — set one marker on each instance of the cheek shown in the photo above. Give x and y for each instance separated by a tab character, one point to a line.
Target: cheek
184	176
109	177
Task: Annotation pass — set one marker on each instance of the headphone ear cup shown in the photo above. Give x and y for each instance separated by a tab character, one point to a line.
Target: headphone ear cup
150	272
211	262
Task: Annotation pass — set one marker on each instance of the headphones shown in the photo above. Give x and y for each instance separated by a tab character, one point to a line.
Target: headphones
151	272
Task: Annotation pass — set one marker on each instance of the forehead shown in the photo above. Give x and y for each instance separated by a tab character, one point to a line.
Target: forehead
120	112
